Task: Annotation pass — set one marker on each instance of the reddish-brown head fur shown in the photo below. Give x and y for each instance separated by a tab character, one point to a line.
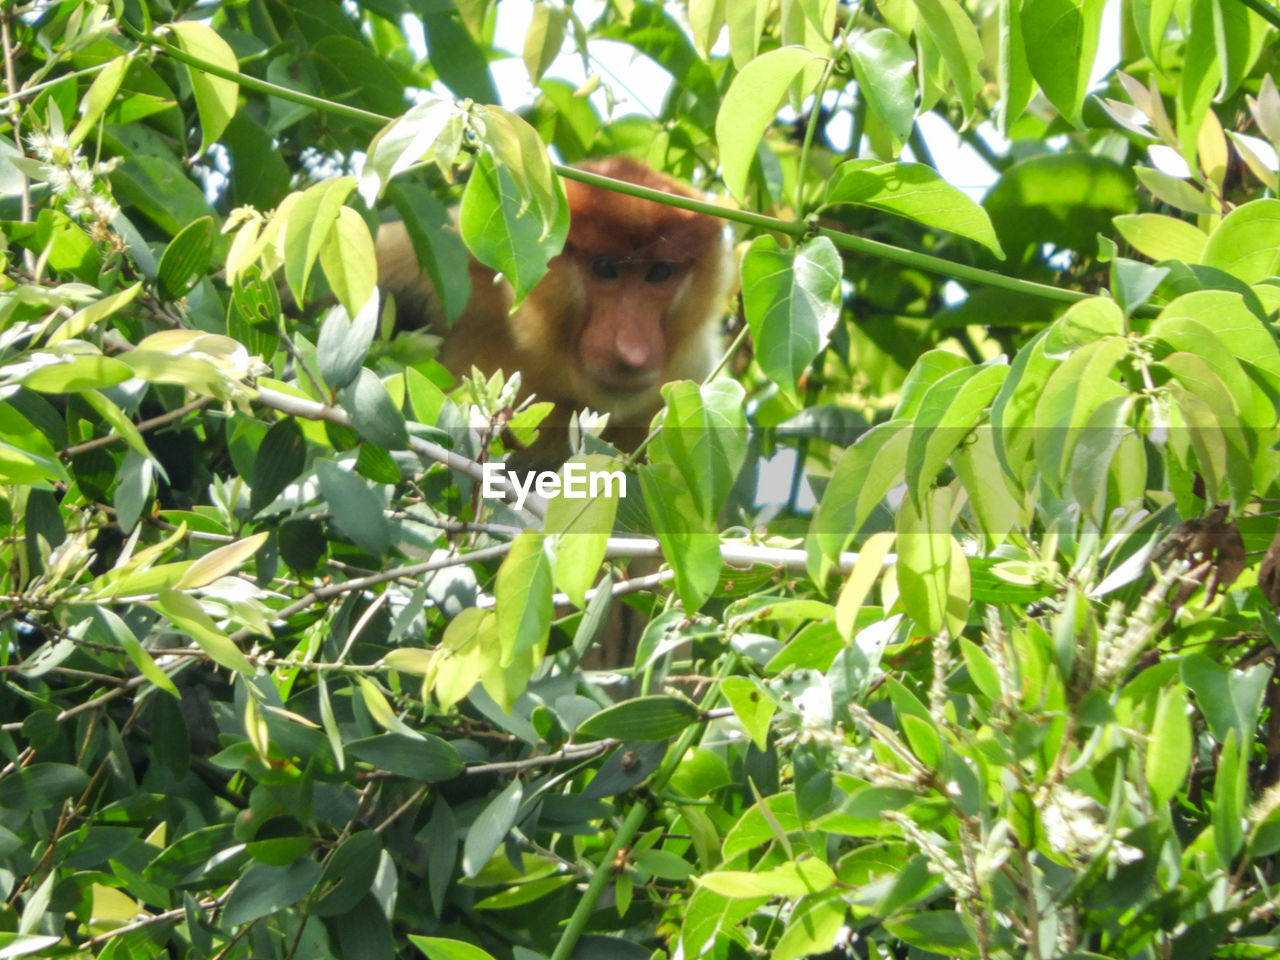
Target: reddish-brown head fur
607	224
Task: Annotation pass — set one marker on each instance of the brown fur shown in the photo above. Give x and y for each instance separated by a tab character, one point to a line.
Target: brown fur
579	340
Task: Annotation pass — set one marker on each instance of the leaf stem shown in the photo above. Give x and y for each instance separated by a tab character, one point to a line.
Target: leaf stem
846	241
253	83
1265	10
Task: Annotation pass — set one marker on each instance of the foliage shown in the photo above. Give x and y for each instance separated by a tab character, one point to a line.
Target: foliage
276	681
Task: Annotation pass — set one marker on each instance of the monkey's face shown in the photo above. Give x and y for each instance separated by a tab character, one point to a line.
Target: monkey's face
624	337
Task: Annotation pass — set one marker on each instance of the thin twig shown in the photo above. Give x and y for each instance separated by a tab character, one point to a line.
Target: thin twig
142	427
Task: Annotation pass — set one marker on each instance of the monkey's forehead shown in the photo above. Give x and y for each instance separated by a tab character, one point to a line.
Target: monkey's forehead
614	225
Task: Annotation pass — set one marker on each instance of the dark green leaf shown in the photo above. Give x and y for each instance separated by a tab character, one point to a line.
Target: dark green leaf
372	411
262	890
429	758
41	785
279	460
490	828
643	718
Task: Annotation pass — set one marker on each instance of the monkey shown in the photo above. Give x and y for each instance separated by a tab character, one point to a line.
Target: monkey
634	300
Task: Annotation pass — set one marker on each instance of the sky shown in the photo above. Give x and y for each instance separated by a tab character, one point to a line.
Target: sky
641	85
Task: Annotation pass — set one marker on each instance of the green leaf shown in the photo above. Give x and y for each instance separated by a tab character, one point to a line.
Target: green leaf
356	509
1169	751
689	541
215	97
749	106
26	455
1175	192
864	474
884	64
1229	800
21	944
278	462
746	22
76	373
220	562
993	497
1246	244
795	879
544	38
1063	199
866	571
924	559
40	786
490	828
641	718
581	527
704	436
982	670
137	653
438	948
192	856
813	928
1192	338
422	757
753	707
1084	322
939	931
792	302
664	865
99	97
307	220
915	191
930	367
381	711
524	596
1229	699
1061	38
1202	76
344	342
348	260
254	312
184	612
439	250
404	142
523	893
452	51
186	259
951	29
507	232
1093	458
1161	237
263	889
948	412
372	411
1073	391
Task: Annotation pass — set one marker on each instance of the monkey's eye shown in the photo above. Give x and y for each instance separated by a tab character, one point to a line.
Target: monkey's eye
660	273
604	268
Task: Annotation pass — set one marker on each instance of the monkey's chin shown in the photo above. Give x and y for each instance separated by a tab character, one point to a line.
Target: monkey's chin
625	398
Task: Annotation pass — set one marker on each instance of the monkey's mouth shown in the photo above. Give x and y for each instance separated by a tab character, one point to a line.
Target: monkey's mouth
625	381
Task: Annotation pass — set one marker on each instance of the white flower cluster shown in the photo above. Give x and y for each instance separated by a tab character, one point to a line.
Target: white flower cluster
1073	825
1122	638
71	177
934	848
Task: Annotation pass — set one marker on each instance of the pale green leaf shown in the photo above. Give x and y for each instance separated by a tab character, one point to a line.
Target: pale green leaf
749	106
